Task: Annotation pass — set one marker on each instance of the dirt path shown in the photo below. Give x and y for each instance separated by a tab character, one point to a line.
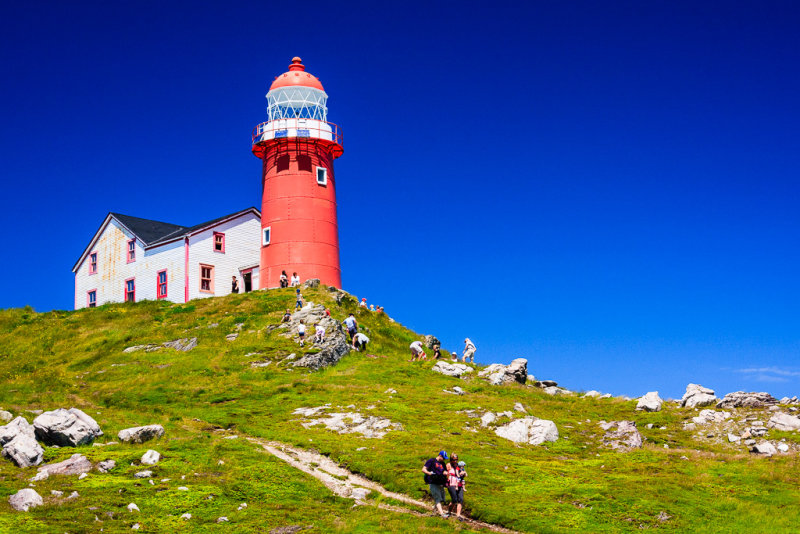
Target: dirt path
349	485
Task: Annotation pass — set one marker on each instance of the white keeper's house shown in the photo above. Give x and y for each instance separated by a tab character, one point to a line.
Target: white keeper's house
131	259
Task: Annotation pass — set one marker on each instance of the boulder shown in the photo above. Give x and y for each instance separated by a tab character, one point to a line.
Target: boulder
431	341
547	383
451	369
742	399
18	426
334	347
143	474
650	402
311	283
784	421
783	447
621	435
106	465
698	396
151	457
23	450
6	416
765	447
74	465
182	345
592	393
553	390
498	374
710	416
66	428
140	434
25	499
529	430
488	418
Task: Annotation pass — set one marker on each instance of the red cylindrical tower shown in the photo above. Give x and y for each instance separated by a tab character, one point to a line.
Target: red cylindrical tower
299	231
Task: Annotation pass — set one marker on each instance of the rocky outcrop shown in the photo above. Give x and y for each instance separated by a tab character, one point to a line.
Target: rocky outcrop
431	341
19	443
311	283
742	399
698	396
451	369
74	465
498	374
710	416
347	422
784	421
529	430
140	434
650	402
25	499
66	428
621	435
182	345
334	347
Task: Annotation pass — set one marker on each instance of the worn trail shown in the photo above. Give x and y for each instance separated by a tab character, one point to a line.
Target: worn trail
349	485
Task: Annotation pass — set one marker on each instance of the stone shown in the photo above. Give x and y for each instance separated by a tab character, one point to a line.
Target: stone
733	438
451	369
553	390
66	428
742	399
183	488
311	283
623	437
73	495
650	402
132	507
151	457
6	416
18	425
232	337
77	464
529	430
458	391
143	474
181	345
698	396
548	383
605	396
783	447
140	434
23	450
25	499
106	465
431	341
749	442
784	421
56	493
186	516
135	526
355	423
711	416
222	519
592	393
498	374
390	391
765	447
488	418
519	407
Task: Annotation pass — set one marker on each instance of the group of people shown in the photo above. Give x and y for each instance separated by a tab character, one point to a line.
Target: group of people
286	282
446	472
418	352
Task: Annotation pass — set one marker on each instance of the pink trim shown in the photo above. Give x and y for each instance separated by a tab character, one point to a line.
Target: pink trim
131	254
186	271
210	279
125	290
93	266
214	242
89	300
159	284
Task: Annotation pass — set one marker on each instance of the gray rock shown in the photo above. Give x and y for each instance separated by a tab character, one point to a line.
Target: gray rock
529	430
6	416
75	465
66	428
710	416
334	347
742	399
555	391
650	402
592	393
698	396
547	383
143	474
25	499
311	283
765	447
106	465
783	447
784	421
498	374
23	450
132	507
621	435
151	457
354	422
488	418
519	407
140	434
451	369
733	438
18	426
431	341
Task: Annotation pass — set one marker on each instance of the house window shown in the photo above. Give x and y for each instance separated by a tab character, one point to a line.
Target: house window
93	263
266	235
206	278
91	298
161	284
130	290
219	242
131	250
322	176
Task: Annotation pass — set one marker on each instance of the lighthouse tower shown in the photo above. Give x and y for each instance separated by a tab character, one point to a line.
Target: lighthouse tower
297	146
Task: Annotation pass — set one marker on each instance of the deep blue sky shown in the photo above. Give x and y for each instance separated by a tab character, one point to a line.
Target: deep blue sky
610	191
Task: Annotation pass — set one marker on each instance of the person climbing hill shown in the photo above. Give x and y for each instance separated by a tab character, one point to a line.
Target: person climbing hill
434	470
417	351
469	351
352	326
360	341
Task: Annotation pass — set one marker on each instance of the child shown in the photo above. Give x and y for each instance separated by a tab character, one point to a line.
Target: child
287	316
319	336
301	332
299	303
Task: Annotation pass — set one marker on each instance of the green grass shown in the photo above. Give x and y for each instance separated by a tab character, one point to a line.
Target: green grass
64	359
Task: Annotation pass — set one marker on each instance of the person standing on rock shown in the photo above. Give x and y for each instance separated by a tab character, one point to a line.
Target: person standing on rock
360	342
435	478
469	351
352	326
417	351
301	332
319	333
455	485
284	281
295	280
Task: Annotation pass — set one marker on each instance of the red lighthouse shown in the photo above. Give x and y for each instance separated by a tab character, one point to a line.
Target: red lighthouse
297	146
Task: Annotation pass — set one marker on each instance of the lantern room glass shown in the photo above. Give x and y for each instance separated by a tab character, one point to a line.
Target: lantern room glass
297	103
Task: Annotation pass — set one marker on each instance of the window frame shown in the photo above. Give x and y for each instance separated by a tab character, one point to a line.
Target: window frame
214	242
210	279
93	264
324	176
266	231
131	254
125	290
89	303
159	296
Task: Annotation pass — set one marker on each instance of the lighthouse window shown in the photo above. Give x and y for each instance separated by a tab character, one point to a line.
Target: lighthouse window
266	235
322	176
206	278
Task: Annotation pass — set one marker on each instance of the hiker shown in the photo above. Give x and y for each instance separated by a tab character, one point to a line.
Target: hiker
301	332
299	303
352	326
469	351
327	312
363	302
360	342
284	279
234	285
295	280
287	316
455	484
417	352
319	336
435	478
371	307
437	353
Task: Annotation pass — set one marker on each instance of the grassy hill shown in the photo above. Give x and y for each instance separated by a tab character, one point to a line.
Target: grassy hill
65	359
